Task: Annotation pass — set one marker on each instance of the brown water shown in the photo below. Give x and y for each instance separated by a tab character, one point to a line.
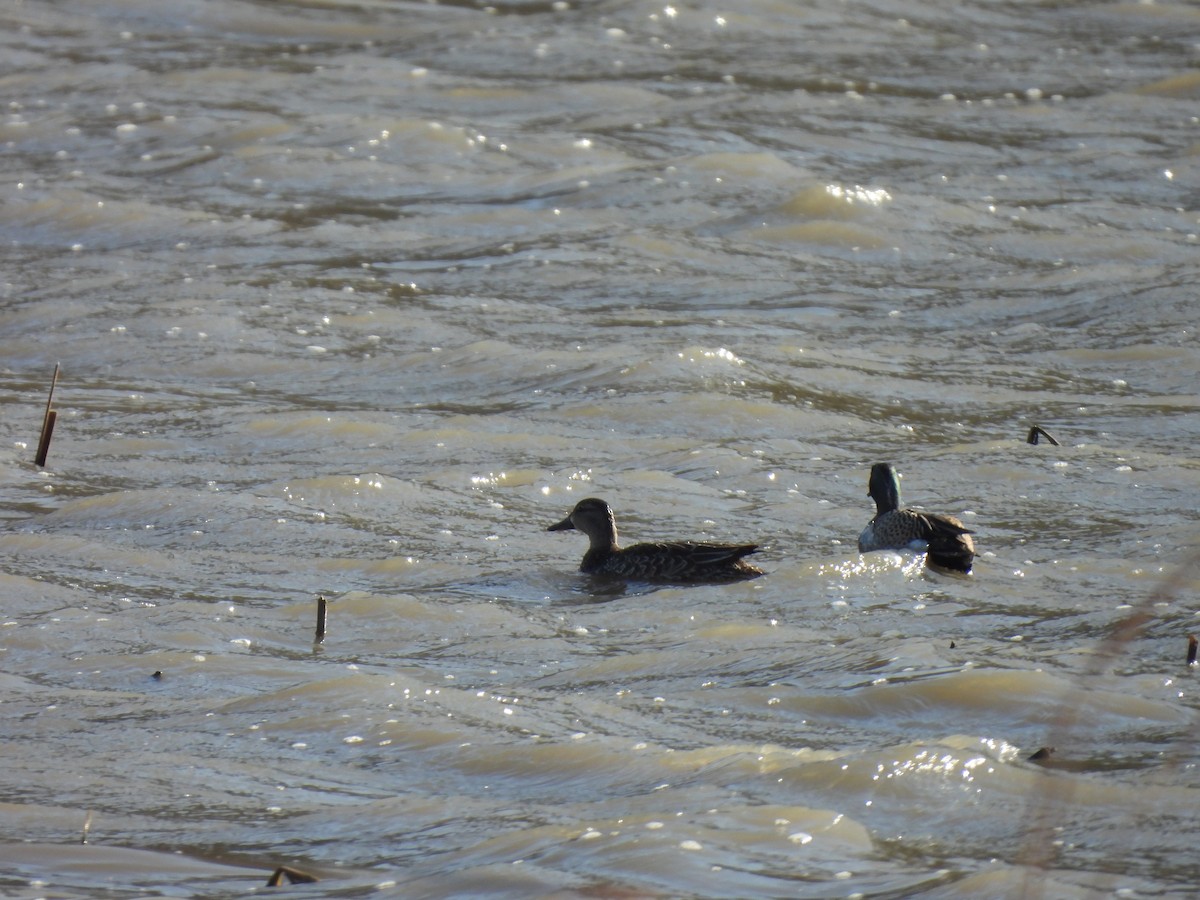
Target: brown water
357	298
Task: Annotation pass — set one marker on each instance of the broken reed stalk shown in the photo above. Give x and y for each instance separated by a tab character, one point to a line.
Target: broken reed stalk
293	876
322	610
1047	806
1036	432
48	421
44	441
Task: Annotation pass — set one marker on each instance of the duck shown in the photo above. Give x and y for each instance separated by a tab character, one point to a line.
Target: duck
946	540
673	562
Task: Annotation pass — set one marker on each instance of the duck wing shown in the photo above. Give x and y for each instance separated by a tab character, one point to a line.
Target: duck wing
942	530
950	544
682	561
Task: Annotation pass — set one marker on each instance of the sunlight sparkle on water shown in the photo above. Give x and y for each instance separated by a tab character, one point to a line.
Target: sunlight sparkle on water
491	478
928	762
859	194
720	353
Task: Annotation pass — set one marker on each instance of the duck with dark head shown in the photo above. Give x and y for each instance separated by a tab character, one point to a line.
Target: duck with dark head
673	562
945	540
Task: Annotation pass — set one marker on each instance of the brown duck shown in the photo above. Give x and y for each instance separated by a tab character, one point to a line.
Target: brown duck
946	541
673	562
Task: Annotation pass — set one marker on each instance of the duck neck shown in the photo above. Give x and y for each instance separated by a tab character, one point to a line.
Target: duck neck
604	541
886	492
601	546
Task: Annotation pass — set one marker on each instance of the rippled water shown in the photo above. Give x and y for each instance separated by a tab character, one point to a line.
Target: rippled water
357	298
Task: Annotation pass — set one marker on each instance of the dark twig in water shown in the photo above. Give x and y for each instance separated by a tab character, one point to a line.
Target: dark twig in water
293	876
1036	432
1192	646
48	420
322	608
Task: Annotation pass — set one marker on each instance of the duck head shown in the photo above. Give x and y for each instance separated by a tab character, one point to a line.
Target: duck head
594	518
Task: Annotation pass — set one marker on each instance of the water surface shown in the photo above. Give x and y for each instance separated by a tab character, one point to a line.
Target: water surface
356	299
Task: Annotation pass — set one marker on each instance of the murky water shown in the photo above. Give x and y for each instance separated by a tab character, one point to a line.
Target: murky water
356	299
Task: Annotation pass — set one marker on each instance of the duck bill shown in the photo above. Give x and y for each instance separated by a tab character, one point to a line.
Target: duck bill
565	525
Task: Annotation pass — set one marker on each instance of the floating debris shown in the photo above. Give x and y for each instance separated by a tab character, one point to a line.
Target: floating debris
1192	646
